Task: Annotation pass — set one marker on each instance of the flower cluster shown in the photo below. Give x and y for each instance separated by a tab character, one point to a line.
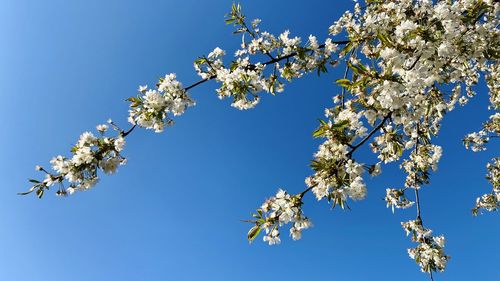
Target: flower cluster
90	154
277	211
421	160
389	145
151	108
396	198
337	175
429	253
477	141
399	55
336	180
243	80
491	201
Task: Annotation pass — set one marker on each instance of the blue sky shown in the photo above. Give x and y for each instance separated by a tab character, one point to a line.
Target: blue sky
173	212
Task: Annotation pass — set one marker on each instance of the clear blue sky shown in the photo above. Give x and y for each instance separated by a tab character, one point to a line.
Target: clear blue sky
173	212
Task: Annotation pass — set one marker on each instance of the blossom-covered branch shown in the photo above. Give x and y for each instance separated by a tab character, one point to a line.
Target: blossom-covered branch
408	63
154	108
404	57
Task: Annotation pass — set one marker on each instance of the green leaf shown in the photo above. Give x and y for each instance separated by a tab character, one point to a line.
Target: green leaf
346	83
322	69
341	125
316	165
200	61
358	68
348	47
39	193
301	53
360	82
384	39
259	211
319	132
253	233
233	65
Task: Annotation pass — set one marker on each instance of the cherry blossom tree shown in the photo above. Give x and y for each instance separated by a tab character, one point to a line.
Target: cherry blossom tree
407	63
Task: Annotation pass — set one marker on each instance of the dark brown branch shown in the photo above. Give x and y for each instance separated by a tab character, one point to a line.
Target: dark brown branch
369	135
417	201
343	42
198	83
417	197
305	191
124	134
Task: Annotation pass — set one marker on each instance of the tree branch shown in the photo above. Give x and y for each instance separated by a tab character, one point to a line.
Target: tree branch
417	197
353	148
273	60
124	134
369	135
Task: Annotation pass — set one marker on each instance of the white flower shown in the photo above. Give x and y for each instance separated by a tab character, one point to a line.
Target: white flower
313	42
371	116
273	237
102	128
295	233
153	100
110	165
86	139
444	50
152	109
330	46
404	28
60	164
217	52
143	89
357	189
119	143
377	170
83	155
439	240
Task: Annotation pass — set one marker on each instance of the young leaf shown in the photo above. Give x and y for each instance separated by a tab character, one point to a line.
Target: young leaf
346	83
253	232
